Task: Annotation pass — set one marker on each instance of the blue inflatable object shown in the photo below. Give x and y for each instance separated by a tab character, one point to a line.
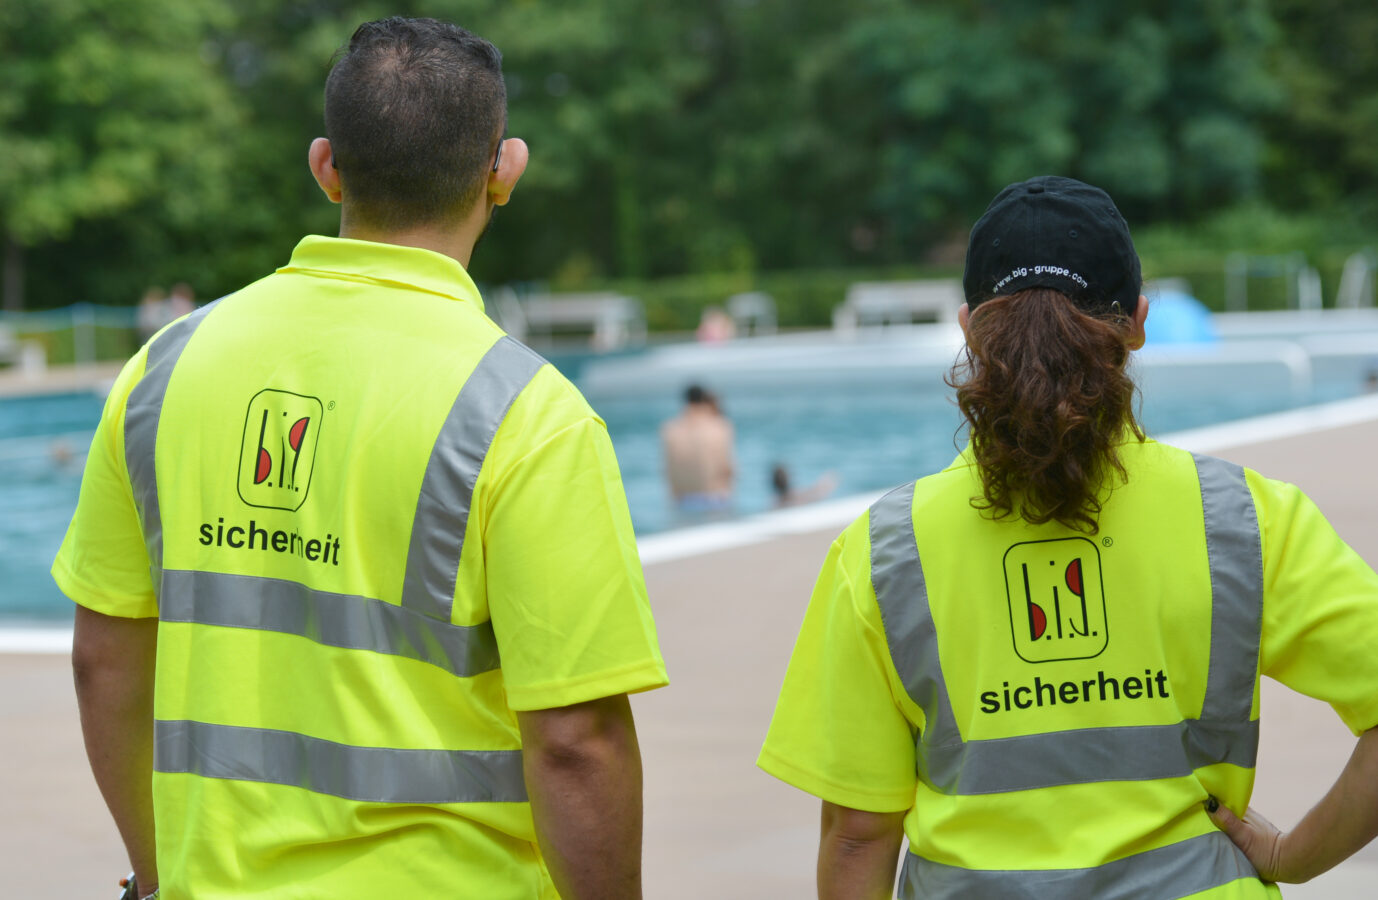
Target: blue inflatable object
1177	318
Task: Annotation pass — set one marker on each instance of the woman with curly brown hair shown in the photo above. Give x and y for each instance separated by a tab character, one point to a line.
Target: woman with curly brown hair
1041	664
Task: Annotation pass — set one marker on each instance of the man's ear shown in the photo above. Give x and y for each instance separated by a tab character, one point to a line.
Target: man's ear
510	168
1140	337
321	159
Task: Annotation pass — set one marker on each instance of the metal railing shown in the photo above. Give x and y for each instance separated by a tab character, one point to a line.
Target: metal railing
1300	281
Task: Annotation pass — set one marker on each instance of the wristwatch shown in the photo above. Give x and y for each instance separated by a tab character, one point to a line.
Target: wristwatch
131	889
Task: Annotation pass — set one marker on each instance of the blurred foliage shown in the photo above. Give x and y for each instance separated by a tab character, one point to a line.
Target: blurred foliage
100	343
693	150
108	104
1322	144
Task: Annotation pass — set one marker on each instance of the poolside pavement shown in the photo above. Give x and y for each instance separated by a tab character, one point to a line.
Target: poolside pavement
728	603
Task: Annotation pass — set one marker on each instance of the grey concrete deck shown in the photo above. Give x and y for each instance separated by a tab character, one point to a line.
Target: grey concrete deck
716	827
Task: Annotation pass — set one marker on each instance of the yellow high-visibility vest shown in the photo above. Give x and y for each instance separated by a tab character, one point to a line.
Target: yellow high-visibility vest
376	527
1051	707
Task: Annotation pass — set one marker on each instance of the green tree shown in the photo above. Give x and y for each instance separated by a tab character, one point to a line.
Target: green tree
1156	101
1323	142
156	141
107	104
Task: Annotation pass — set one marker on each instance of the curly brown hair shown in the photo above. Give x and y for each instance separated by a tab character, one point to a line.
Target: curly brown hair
1044	389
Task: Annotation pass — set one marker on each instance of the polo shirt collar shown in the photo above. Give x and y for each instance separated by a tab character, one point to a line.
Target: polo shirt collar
389	264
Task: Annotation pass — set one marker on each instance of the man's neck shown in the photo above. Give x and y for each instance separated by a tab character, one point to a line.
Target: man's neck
456	242
423	239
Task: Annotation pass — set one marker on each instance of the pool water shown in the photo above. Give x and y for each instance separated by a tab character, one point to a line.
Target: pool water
43	443
869	436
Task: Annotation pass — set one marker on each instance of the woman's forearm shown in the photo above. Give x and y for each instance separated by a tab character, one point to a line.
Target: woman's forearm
1343	822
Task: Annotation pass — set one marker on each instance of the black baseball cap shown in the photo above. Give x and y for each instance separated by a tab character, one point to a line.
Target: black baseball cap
1058	233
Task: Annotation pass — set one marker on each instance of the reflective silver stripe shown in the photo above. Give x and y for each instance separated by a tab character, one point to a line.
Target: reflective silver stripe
442	511
337	620
1236	560
369	774
1187	867
1224	733
372	774
1127	753
897	576
141	414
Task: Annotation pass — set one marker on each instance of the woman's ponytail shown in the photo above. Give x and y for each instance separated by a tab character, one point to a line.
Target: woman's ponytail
1044	389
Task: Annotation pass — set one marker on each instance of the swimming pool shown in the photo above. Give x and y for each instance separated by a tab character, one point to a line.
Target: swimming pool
43	442
872	411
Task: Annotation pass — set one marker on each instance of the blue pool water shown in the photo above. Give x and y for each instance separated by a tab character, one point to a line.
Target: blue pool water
870	435
43	444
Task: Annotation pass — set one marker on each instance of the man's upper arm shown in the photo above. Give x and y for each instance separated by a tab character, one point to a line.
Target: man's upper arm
565	588
563	730
103	562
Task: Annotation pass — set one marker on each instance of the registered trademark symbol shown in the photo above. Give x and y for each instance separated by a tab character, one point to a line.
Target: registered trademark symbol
1105	542
330	405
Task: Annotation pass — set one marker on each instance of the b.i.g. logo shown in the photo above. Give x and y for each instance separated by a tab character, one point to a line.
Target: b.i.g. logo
278	451
1056	599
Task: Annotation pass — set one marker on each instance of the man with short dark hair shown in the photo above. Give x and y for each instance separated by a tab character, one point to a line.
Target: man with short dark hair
414	124
359	602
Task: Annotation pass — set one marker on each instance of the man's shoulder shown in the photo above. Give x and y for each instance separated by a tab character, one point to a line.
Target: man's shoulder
550	401
550	382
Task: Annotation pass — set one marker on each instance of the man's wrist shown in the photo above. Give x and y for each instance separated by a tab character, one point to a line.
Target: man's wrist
132	890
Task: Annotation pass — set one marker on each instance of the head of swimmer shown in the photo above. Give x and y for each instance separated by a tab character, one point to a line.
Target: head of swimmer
415	148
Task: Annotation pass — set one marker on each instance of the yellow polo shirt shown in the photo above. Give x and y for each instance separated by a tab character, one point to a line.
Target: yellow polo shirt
844	728
292	448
